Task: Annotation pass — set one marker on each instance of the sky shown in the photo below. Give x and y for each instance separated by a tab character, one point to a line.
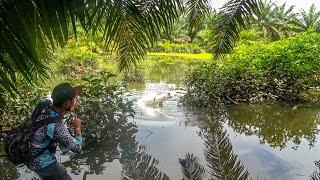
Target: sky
299	4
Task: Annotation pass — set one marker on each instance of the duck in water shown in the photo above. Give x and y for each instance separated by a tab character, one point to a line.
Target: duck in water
158	99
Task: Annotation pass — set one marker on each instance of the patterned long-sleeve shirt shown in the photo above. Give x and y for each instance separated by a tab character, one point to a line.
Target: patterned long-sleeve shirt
42	137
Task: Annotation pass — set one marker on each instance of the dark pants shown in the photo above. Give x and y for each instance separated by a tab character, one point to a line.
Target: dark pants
55	171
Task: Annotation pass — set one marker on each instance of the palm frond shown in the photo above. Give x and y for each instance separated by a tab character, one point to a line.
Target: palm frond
223	163
30	29
234	16
308	19
142	167
191	168
131	27
195	11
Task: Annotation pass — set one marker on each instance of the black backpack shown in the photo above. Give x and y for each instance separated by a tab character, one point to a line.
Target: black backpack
17	143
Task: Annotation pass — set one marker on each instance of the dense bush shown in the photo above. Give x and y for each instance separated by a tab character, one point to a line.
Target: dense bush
19	108
180	48
258	71
76	59
103	108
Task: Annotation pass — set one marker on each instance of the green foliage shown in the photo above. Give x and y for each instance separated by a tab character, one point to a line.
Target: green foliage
275	22
133	76
252	35
233	17
102	106
178	48
309	20
258	71
196	10
75	60
20	107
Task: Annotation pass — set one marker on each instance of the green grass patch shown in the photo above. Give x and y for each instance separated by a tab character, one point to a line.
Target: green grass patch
201	56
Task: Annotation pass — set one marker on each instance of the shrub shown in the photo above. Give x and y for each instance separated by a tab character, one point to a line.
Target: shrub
103	108
257	71
20	107
76	60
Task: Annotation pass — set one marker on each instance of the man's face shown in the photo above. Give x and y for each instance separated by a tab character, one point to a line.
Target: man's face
70	105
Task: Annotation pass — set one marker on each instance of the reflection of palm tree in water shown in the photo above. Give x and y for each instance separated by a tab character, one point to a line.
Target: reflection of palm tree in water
95	158
143	166
316	174
137	164
191	168
223	163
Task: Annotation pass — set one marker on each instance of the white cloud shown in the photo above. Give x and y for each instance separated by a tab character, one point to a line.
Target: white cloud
299	4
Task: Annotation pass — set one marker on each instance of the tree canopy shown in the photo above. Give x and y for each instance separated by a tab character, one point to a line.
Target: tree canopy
31	29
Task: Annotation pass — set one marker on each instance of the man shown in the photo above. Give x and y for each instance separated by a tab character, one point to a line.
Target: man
44	162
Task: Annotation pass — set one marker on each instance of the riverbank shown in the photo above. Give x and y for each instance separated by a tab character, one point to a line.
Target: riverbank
284	70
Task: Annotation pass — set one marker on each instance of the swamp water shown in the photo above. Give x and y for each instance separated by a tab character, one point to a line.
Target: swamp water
272	141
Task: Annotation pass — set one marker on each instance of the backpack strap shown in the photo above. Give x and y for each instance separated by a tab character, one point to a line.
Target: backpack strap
50	129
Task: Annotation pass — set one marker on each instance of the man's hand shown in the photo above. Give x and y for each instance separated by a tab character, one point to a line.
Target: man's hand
76	122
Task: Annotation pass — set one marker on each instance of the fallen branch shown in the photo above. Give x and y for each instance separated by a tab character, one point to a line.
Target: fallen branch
234	102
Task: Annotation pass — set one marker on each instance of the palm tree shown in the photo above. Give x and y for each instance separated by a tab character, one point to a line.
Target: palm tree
233	17
310	19
31	29
275	21
195	16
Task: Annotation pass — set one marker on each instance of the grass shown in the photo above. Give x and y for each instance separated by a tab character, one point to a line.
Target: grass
202	56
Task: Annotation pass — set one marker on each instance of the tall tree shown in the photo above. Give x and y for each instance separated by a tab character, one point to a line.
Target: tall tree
309	19
196	11
275	21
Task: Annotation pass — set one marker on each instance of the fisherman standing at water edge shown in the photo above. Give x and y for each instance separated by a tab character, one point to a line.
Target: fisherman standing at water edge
43	145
